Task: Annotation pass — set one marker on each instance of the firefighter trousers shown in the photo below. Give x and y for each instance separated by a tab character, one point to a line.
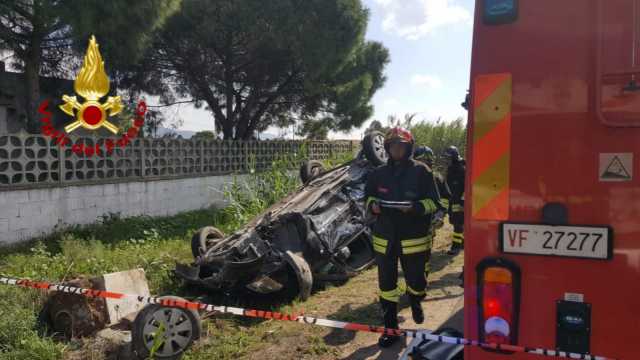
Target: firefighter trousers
413	256
430	239
456	218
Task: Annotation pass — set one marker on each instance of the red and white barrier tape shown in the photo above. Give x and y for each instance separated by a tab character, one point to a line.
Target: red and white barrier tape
293	317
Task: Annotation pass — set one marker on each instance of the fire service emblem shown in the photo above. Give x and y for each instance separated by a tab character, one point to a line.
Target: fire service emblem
91	84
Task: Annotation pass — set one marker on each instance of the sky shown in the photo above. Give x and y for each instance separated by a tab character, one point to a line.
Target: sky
430	46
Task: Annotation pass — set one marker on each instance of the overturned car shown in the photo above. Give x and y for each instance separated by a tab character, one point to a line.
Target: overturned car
318	233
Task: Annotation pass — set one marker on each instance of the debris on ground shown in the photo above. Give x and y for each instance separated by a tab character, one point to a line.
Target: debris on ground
125	282
75	316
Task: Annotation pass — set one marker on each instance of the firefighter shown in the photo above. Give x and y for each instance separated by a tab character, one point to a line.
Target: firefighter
426	155
455	182
401	231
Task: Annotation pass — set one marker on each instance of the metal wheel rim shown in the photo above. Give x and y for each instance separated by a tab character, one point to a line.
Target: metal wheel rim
208	243
63	322
378	146
177	334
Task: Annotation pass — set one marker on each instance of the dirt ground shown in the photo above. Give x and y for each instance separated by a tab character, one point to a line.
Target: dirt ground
357	301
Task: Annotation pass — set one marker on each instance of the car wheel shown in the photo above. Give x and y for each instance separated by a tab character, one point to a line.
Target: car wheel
310	169
373	147
164	332
303	273
203	239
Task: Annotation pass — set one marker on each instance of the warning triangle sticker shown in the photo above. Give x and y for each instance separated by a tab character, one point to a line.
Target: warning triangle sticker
616	170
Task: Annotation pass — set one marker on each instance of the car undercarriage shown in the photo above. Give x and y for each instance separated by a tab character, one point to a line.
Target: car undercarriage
318	233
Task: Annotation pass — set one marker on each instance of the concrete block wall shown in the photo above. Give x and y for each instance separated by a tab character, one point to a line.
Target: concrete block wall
29	213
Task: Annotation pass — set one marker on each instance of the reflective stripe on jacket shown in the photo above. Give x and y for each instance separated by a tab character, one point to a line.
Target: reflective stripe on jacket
402	231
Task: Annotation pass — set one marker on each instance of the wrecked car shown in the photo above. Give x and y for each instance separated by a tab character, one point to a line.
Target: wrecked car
318	233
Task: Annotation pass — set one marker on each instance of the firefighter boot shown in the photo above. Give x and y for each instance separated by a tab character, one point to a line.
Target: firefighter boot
456	247
416	308
390	314
458	241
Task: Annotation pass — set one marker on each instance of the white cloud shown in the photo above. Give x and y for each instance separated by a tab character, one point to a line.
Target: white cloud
430	81
414	19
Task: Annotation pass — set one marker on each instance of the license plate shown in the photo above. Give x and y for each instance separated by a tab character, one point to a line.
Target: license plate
592	242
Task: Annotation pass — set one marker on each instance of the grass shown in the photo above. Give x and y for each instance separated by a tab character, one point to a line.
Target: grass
155	244
116	244
439	135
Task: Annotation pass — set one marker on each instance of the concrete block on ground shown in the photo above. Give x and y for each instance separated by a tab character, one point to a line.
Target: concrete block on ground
127	282
115	337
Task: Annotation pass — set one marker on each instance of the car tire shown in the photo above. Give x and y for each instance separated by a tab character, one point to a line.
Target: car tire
310	169
373	148
141	331
303	273
202	239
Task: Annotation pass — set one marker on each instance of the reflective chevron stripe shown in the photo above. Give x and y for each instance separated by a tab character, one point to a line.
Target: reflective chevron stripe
491	127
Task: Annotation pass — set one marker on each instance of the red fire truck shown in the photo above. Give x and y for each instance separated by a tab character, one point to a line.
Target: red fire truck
552	212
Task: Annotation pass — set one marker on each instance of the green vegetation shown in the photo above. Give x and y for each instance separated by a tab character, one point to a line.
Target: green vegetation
116	244
437	135
440	135
258	58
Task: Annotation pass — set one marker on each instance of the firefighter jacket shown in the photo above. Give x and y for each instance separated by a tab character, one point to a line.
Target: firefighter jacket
443	190
394	229
455	182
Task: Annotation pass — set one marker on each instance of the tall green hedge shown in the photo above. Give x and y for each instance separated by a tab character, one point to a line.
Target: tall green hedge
440	135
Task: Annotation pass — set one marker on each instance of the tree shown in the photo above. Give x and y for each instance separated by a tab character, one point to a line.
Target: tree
251	61
204	135
43	34
315	129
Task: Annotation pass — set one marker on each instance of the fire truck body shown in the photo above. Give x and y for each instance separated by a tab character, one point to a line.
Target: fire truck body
552	212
